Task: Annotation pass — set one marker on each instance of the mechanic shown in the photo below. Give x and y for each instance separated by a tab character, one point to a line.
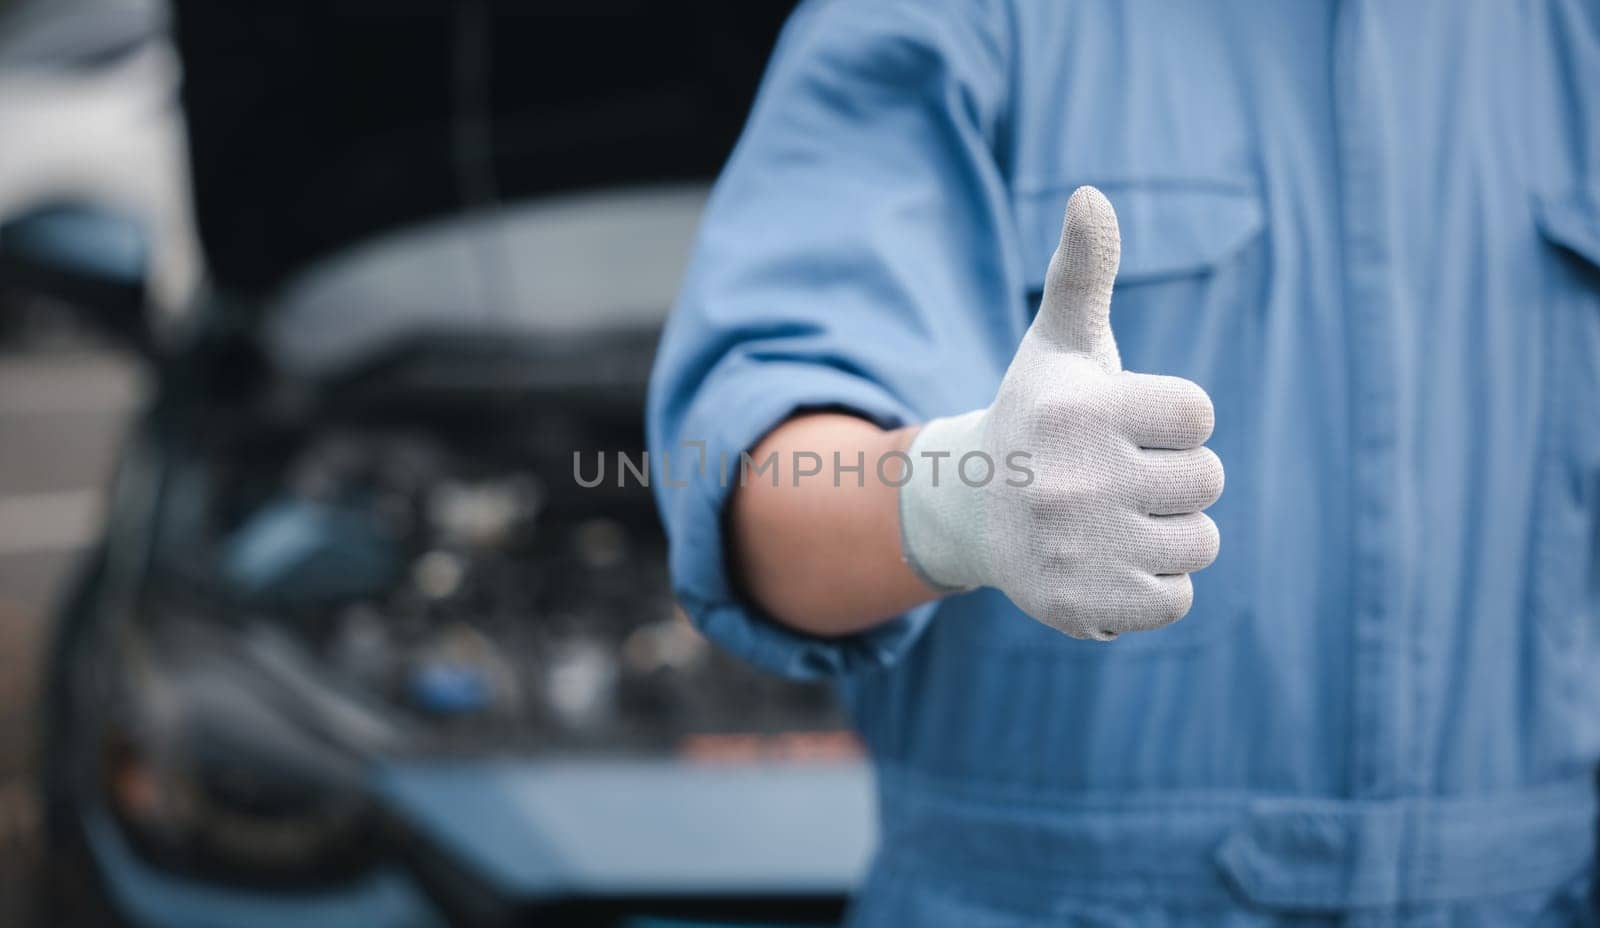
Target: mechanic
1360	238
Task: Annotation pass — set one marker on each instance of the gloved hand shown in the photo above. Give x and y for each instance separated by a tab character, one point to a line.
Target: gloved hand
1104	537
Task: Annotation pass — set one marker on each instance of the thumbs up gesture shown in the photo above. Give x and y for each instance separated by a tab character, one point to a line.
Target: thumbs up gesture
1102	539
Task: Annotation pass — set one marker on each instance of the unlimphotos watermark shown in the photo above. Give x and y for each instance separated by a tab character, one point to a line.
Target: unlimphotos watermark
892	468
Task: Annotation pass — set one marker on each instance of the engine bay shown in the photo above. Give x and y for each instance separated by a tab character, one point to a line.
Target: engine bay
448	566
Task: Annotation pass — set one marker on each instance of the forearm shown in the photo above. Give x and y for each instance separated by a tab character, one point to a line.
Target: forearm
822	554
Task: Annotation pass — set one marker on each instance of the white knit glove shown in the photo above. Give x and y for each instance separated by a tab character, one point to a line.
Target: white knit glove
1104	537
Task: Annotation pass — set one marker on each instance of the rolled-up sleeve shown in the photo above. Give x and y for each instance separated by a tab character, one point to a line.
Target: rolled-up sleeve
857	254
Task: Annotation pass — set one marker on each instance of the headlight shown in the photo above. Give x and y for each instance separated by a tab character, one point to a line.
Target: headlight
218	758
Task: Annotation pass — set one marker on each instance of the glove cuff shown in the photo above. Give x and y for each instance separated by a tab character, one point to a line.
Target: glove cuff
941	516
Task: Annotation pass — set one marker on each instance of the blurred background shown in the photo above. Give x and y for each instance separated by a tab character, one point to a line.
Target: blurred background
305	309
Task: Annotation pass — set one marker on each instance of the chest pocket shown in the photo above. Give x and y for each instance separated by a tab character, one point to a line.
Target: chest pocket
1170	228
1188	301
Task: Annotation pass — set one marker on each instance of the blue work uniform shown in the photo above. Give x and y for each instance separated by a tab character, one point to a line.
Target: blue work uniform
1371	231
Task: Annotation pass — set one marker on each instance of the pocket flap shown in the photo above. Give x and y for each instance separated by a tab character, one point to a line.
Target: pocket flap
1571	221
1170	228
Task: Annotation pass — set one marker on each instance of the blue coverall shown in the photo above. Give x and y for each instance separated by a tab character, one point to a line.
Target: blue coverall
1371	231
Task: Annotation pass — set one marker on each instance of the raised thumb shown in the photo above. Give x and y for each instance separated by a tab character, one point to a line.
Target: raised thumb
1076	312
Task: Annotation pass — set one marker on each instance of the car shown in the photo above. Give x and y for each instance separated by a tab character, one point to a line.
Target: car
364	641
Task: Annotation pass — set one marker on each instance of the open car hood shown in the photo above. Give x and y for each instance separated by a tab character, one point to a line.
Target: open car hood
570	267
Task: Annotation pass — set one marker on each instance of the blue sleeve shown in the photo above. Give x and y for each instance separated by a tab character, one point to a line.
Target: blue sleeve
858	253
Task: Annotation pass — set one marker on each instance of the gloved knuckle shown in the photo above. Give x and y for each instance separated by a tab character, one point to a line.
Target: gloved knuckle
1219	475
1190	540
1181	598
1210	540
1200	401
1185	408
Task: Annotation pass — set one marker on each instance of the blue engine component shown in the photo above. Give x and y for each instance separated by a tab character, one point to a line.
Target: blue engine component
306	553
